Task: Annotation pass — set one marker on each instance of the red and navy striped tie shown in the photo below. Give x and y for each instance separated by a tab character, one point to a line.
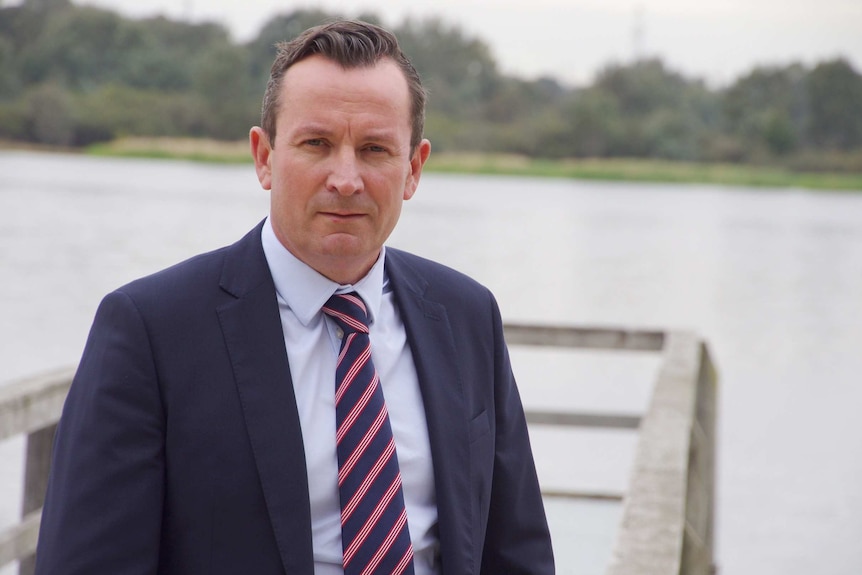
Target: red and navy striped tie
374	531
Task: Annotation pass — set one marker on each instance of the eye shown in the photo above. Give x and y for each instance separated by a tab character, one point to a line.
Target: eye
314	142
375	148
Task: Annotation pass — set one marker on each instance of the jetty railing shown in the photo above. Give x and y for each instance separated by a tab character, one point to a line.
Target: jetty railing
31	407
668	508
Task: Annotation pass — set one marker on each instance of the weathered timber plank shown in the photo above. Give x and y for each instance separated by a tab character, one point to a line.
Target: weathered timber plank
33	403
583	337
582	419
578	494
20	540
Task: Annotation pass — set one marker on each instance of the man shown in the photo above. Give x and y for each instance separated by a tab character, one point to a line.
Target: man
205	430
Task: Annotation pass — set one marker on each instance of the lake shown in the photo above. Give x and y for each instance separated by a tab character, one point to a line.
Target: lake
772	279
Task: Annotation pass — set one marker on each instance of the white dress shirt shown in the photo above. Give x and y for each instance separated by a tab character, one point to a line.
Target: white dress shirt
312	343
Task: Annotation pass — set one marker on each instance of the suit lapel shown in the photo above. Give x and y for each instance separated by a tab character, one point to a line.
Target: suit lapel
254	338
432	344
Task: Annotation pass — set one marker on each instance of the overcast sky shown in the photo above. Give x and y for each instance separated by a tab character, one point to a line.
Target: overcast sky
571	40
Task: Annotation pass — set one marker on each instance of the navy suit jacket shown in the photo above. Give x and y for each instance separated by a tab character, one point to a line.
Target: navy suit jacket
180	452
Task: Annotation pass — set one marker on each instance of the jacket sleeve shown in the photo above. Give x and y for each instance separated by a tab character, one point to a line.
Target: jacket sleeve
103	508
517	540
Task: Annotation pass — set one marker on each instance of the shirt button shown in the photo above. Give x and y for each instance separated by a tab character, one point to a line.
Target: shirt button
339	333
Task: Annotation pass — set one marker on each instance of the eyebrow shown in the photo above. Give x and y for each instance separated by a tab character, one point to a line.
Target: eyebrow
316	130
311	129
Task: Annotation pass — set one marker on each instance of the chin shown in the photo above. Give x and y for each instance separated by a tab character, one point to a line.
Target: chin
348	248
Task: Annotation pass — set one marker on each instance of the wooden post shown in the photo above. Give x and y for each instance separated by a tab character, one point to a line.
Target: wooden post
39	446
698	553
31	406
667	523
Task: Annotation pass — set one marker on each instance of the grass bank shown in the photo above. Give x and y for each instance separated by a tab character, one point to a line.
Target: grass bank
633	170
192	149
636	170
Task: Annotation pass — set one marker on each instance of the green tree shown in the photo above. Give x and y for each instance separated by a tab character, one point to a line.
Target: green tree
8	76
74	48
74	74
51	116
280	28
595	125
835	92
48	4
460	76
653	112
767	110
115	110
221	83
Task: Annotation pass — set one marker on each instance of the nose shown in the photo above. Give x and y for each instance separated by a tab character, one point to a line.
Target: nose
344	176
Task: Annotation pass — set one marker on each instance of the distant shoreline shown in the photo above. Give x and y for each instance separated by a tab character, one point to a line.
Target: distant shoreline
630	170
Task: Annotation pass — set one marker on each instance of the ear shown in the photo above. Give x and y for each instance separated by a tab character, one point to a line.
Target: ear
420	156
261	151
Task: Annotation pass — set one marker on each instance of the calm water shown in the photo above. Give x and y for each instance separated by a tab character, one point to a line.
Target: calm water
772	278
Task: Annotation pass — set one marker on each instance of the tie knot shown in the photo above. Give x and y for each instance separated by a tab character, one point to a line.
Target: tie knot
349	312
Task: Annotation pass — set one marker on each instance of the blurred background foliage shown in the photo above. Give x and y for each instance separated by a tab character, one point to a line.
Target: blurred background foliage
73	76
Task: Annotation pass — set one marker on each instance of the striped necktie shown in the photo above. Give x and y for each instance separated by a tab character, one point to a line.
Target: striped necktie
374	533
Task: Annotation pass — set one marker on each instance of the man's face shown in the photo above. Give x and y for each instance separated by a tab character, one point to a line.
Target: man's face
341	165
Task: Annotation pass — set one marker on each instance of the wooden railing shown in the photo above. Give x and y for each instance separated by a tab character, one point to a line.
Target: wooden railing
668	509
31	407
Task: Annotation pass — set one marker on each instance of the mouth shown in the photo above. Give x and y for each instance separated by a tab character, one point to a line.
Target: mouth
343	216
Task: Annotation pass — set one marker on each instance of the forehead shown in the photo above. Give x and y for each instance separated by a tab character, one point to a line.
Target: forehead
317	85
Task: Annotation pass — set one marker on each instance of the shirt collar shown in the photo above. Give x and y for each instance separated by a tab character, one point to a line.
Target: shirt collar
305	290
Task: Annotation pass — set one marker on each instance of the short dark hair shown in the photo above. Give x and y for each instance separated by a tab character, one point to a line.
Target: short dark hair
352	44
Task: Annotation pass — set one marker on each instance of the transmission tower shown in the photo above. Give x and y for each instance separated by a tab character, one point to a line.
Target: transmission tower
638	32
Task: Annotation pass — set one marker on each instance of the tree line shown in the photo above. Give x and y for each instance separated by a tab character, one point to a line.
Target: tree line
74	75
